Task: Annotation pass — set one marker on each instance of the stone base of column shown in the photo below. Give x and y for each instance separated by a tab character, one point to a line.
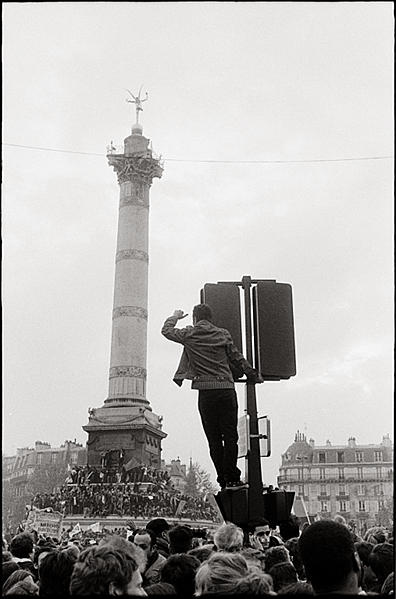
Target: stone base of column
132	431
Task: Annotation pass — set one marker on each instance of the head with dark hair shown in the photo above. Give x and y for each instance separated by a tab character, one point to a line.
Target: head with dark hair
295	556
146	539
364	548
275	555
21	545
202	312
158	526
282	574
55	570
179	571
14	578
290	528
106	569
381	560
180	539
330	561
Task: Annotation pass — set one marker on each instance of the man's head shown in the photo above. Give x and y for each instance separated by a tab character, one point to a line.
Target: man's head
146	540
288	529
106	570
179	570
276	555
381	560
330	560
228	537
55	570
262	532
180	539
21	545
202	312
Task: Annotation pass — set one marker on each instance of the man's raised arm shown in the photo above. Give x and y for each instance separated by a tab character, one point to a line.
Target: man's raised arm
169	329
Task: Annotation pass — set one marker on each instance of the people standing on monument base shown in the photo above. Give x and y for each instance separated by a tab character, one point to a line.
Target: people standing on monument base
208	355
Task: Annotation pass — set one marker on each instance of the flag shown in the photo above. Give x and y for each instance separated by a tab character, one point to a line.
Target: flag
96	527
180	507
76	530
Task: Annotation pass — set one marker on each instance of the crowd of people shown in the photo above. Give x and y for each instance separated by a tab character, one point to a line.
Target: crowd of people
319	558
136	500
79	475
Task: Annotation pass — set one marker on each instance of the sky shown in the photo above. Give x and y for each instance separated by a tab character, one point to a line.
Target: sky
305	88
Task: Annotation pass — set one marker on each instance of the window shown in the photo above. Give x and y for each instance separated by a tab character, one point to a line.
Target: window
301	489
340	457
341	474
343	506
323	490
378	472
359	456
323	506
39	459
341	490
73	458
322	473
376	490
361	490
362	505
322	457
377	456
381	504
53	458
360	473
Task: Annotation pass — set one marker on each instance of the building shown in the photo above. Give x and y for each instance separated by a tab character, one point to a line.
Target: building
355	481
177	472
126	422
20	473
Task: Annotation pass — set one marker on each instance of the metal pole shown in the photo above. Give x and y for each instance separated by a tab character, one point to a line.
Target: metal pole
253	463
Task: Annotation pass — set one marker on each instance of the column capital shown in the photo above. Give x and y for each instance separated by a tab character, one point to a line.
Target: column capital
138	167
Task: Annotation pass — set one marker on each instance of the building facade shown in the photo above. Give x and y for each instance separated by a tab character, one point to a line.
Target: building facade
355	481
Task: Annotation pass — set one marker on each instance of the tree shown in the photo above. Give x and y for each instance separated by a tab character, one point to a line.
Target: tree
198	481
385	514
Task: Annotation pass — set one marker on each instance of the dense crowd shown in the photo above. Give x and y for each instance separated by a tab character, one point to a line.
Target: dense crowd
319	558
136	500
137	474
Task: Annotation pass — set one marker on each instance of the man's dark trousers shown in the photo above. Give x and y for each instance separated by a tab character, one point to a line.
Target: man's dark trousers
219	414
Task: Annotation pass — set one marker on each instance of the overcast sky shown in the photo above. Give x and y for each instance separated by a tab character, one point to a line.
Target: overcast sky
227	81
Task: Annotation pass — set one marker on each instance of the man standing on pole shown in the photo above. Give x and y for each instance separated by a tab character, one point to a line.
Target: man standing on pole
209	359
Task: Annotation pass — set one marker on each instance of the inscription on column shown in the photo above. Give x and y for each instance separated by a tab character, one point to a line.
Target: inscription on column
135	371
135	311
132	254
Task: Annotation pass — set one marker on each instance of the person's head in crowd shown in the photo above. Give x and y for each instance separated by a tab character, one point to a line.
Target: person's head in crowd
388	587
282	574
55	570
17	577
275	555
329	557
261	533
375	535
7	568
21	546
160	588
160	528
107	570
255	582
202	312
228	537
222	572
290	528
364	548
298	588
295	556
43	547
146	540
179	570
180	539
340	519
202	553
381	561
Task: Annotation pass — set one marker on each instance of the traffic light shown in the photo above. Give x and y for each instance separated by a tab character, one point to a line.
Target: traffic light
277	506
274	330
224	301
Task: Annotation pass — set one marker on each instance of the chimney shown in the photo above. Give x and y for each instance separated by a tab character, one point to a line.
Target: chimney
312	442
351	442
328	444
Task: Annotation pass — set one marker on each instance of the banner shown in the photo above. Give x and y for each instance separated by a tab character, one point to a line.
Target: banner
48	524
75	531
96	527
180	507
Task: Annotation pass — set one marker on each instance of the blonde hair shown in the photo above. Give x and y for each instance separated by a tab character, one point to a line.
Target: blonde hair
228	537
220	573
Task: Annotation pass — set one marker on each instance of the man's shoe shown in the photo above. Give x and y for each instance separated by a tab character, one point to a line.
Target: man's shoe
236	485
